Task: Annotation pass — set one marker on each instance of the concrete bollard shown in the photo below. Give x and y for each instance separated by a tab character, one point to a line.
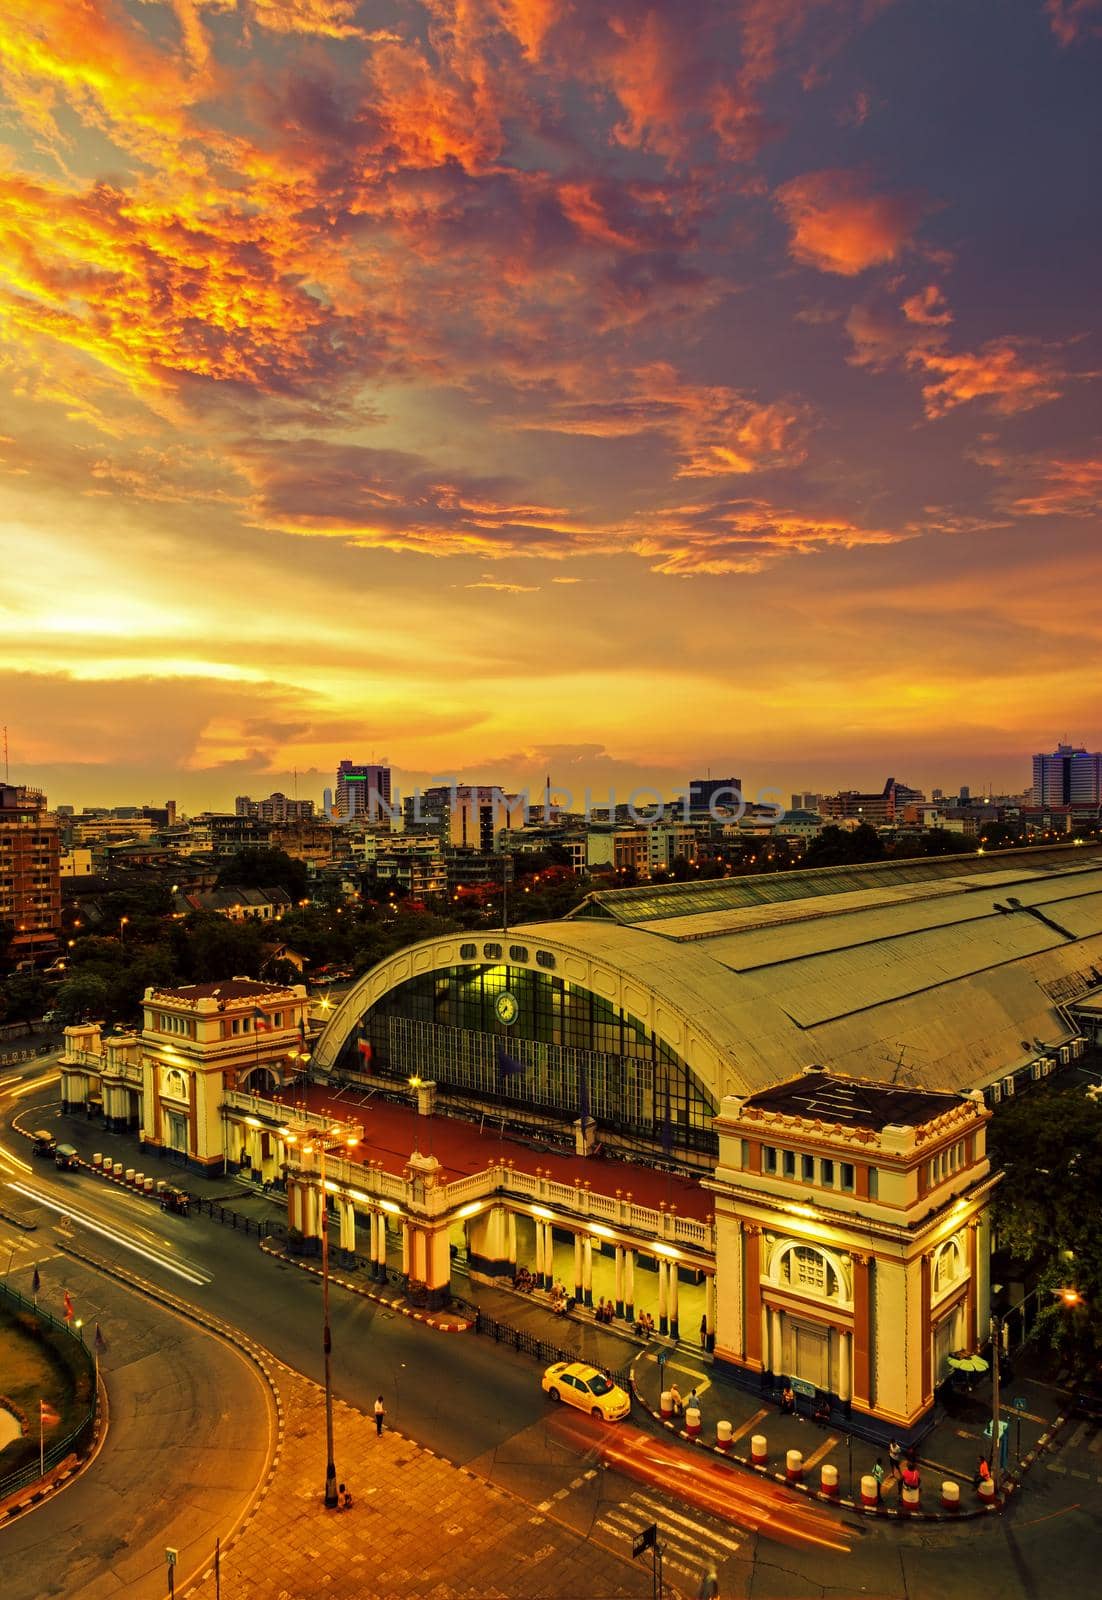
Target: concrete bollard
908	1497
759	1450
692	1422
950	1495
794	1466
117	1169
139	1180
130	1174
97	1159
148	1186
986	1490
870	1490
724	1431
828	1480
665	1403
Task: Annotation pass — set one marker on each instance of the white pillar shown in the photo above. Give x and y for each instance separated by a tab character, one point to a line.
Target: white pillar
710	1305
619	1280
776	1344
587	1269
577	1266
663	1315
348	1225
511	1238
539	1253
407	1266
629	1284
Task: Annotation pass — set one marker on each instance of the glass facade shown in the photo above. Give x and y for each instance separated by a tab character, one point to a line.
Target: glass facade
579	1054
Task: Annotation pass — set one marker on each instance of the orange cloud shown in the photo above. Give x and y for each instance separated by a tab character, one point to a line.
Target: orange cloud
1072	20
840	225
724	537
1003	372
1054	485
928	307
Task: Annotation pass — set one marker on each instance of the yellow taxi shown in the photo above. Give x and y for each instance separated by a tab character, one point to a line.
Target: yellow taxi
587	1388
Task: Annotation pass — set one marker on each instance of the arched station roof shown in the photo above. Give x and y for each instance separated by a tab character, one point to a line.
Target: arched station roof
945	980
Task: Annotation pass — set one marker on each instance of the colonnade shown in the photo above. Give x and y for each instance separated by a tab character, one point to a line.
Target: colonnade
426	1248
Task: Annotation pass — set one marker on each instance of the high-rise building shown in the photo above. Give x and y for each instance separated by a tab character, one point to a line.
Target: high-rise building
1071	775
884	808
723	791
30	879
362	790
277	808
805	801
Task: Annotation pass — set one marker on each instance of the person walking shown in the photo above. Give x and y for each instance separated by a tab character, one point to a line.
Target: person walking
704	1331
878	1474
910	1475
983	1472
380	1413
895	1456
676	1400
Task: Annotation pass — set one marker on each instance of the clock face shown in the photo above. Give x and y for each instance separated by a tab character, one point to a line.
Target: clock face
507	1008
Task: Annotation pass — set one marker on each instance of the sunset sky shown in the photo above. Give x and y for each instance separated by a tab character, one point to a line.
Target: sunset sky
614	388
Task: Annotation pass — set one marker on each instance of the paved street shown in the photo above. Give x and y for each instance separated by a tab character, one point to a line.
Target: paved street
478	1405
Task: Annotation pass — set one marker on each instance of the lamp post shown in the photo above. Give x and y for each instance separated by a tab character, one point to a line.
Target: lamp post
122	930
323	1144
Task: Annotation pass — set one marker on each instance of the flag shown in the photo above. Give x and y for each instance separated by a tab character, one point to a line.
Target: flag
67	1298
366	1050
260	1021
47	1414
508	1066
36	1282
99	1341
667	1127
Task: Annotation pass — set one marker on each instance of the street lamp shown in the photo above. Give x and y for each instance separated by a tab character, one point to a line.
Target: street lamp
323	1144
122	930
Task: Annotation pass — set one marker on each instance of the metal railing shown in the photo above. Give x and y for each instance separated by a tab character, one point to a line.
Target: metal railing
263	1227
541	1350
79	1436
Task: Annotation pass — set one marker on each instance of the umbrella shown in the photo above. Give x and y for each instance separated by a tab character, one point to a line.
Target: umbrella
968	1363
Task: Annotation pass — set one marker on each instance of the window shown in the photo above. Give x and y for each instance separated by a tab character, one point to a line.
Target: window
768	1158
807	1268
807	1168
518	952
468	952
827	1175
947	1267
847	1176
789	1163
874	1184
492	952
544	958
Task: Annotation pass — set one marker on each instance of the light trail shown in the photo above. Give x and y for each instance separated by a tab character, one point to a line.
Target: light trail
34	1086
159	1260
748	1502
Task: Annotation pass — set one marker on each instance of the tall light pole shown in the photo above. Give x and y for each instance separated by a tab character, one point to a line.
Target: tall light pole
324	1143
122	930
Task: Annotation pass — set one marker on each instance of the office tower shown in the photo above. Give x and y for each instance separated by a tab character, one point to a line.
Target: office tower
1071	775
724	791
30	878
363	790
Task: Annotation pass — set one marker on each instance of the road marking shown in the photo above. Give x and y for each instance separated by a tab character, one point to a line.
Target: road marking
824	1449
689	1522
198	1279
1076	1435
702	1382
758	1416
1096	1443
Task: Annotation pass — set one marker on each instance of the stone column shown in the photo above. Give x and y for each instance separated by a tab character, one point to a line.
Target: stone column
663	1315
673	1287
710	1308
418	1255
619	1280
587	1269
511	1240
348	1225
539	1270
438	1267
407	1254
380	1246
845	1344
578	1267
776	1343
861	1364
548	1254
629	1284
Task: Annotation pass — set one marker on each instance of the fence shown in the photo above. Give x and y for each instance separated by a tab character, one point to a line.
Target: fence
542	1350
263	1227
78	1437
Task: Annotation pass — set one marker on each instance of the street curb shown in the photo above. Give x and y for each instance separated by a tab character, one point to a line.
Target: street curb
61	1476
889	1513
260	1358
438	1323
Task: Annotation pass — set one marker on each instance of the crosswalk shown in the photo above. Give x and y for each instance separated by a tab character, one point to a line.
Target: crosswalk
689	1544
1077	1452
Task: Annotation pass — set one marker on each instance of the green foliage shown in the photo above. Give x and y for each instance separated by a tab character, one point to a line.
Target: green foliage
23	997
84	997
261	867
1049	1144
839	847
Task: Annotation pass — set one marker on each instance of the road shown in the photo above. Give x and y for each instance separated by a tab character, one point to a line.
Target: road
480	1405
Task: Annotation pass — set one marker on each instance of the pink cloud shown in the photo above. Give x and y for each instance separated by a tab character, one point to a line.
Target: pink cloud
1072	20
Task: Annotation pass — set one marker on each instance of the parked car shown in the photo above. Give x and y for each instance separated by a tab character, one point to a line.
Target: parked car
51	1016
1086	1398
44	1143
66	1158
587	1388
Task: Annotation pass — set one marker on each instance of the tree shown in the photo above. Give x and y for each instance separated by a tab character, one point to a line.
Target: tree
23	997
840	847
84	998
1049	1144
261	867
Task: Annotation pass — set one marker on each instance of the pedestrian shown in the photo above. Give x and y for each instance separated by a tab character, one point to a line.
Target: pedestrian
983	1472
878	1474
895	1456
380	1413
704	1331
788	1399
676	1400
693	1400
910	1476
344	1499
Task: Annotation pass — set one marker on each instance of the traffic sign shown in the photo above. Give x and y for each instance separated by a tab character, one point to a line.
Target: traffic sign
801	1386
170	1556
645	1540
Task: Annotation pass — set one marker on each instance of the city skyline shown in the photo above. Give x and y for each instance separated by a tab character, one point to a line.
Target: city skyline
533	388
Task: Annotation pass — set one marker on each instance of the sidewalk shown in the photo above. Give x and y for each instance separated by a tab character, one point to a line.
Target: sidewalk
418	1526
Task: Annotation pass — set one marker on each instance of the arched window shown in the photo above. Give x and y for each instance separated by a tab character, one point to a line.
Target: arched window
804	1267
948	1265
